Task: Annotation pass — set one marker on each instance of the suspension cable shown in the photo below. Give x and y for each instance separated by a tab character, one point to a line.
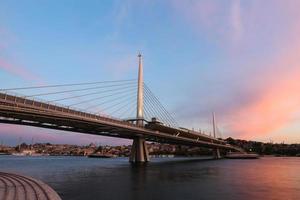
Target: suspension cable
92	93
130	107
76	90
108	101
153	110
121	108
161	107
114	105
64	85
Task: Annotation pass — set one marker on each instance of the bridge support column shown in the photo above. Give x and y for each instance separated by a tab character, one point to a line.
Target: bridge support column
217	154
139	151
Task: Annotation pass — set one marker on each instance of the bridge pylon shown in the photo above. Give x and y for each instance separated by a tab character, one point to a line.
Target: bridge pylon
139	151
140	94
216	152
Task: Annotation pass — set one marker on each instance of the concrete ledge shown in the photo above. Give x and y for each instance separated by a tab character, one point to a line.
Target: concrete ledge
14	186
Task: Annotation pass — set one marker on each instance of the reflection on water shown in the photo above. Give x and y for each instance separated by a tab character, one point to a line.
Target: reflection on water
163	178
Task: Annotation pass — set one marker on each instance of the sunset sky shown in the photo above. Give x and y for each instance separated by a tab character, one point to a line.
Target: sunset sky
240	59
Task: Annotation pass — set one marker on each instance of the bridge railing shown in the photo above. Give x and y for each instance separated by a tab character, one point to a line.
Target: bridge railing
42	104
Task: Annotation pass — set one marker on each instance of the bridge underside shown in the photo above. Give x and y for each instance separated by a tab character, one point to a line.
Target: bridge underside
82	126
107	127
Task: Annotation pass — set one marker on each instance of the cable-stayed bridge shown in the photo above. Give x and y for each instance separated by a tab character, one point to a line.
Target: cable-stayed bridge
123	109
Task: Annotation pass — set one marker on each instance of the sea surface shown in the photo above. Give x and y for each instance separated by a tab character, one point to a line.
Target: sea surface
81	178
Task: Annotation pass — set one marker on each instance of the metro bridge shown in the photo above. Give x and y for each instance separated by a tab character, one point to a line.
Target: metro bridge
145	126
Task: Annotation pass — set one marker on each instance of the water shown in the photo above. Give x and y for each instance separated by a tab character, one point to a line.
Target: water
78	178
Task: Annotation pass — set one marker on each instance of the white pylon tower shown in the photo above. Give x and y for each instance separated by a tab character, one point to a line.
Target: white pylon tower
140	94
139	150
217	154
214	124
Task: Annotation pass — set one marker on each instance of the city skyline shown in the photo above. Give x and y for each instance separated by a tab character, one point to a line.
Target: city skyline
215	56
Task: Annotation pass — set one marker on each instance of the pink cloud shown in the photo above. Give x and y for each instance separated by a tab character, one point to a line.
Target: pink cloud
18	71
271	110
7	41
278	99
262	41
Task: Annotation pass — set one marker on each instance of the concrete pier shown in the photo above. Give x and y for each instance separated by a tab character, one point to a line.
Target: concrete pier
13	186
139	151
217	154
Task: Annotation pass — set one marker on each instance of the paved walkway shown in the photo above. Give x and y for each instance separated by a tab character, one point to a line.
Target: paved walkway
17	187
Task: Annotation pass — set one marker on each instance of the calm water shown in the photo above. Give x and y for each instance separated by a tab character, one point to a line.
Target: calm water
77	178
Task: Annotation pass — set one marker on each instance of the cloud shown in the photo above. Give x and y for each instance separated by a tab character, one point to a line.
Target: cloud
198	13
122	65
271	110
276	98
236	21
8	41
18	71
216	20
7	38
121	13
258	95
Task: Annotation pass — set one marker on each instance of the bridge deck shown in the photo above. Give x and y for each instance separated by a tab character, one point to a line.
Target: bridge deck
20	110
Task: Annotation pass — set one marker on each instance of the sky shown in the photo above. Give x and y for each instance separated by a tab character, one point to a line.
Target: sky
239	59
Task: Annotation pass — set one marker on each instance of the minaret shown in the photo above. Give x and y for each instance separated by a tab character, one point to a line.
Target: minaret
140	94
